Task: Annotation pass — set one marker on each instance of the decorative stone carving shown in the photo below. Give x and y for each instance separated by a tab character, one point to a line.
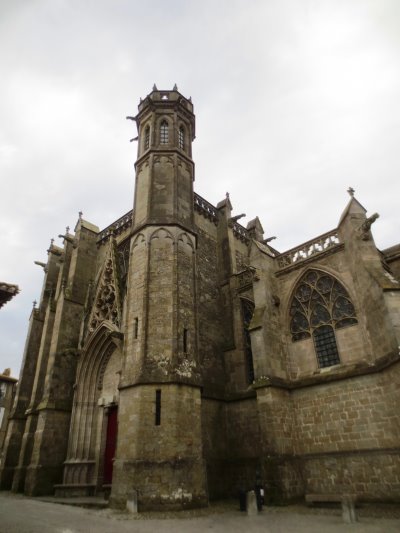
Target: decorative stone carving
247	276
366	226
106	305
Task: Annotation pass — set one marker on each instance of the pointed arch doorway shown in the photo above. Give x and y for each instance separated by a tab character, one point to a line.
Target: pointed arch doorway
94	420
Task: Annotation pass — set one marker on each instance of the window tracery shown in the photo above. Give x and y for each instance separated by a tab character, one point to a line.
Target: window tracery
320	305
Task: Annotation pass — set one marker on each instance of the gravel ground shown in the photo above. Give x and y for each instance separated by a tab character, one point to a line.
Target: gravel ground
20	514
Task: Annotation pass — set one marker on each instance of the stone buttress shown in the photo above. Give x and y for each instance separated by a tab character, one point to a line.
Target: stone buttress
44	400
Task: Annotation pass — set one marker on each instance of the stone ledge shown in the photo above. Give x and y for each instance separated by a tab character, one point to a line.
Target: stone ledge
338	372
166	381
346	453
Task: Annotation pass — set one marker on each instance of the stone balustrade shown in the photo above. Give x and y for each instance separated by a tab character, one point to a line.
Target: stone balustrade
205	208
116	227
240	232
309	249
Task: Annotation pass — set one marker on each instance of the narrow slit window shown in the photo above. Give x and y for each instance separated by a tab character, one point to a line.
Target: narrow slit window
185	340
164	132
158	408
136	328
181	138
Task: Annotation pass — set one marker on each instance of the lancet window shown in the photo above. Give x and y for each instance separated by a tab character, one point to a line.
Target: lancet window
320	304
164	132
181	138
147	138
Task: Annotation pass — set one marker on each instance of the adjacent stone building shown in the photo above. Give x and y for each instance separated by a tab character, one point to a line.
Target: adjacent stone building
177	354
7	292
7	392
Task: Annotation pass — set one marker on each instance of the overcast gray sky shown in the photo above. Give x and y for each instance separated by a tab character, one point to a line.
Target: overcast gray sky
295	101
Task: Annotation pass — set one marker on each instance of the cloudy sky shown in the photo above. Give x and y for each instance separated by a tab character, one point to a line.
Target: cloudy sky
295	101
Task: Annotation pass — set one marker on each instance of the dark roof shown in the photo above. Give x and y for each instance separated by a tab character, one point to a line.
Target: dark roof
7	291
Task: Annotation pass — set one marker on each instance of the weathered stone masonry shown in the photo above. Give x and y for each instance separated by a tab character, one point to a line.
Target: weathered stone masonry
177	354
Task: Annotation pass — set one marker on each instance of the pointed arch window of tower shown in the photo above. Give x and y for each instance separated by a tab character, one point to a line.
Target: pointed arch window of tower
164	132
147	138
320	305
181	137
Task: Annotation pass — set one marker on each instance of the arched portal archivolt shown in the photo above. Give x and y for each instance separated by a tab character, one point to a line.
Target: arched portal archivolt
96	387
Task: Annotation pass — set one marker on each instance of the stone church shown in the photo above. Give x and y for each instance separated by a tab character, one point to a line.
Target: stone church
176	353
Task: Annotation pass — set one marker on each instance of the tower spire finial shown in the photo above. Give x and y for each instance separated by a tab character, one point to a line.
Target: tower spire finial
351	191
155	87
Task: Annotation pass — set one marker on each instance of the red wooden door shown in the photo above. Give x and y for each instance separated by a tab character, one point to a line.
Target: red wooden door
111	443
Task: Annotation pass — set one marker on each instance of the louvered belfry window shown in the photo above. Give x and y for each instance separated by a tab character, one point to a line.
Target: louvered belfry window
320	304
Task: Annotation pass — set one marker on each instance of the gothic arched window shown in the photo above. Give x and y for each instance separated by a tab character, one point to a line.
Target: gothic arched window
164	132
247	315
320	304
181	138
147	138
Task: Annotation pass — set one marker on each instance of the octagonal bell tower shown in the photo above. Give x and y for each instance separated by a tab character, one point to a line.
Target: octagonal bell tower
159	448
164	168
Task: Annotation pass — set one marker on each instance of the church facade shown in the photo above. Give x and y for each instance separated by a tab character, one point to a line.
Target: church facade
176	353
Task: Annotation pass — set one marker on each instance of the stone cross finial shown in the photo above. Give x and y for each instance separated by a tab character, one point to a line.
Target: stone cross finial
34	304
80	215
67	230
351	191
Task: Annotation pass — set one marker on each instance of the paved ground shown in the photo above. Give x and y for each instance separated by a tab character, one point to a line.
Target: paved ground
20	514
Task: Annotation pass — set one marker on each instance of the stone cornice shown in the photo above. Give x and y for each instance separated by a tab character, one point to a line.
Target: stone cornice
164	151
335	373
277	457
141	383
230	397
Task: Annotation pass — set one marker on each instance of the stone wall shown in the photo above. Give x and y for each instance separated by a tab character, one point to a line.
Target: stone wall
231	445
354	414
163	462
333	437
